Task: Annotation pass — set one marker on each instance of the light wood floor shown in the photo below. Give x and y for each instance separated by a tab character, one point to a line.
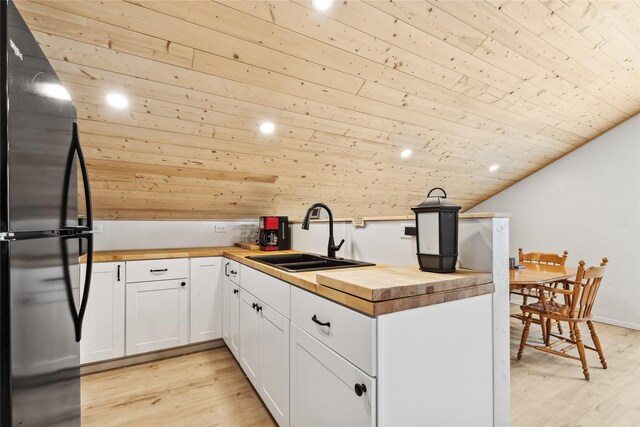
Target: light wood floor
210	389
548	390
200	389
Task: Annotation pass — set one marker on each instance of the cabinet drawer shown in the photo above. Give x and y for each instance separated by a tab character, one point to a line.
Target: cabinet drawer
350	334
272	291
233	271
157	269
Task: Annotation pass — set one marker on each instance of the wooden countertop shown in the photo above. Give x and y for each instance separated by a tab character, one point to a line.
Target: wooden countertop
372	290
379	289
142	254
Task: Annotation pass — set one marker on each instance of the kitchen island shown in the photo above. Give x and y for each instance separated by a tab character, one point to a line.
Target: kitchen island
372	345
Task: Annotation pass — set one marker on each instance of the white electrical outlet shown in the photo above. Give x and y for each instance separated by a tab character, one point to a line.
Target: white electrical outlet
97	228
222	228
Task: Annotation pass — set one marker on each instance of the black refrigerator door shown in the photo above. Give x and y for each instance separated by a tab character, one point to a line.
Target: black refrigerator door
45	357
40	121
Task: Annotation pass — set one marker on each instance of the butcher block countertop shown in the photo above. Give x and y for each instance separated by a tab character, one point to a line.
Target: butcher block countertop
142	254
377	290
371	290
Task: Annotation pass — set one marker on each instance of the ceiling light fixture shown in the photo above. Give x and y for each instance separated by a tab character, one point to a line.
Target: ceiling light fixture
493	168
406	153
117	100
267	127
322	5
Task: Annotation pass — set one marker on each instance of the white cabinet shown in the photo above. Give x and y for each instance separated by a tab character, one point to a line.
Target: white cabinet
264	353
206	299
103	328
230	311
327	390
157	311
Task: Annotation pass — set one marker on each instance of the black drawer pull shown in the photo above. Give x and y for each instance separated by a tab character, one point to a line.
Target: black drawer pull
258	308
254	305
359	389
235	291
233	272
183	284
315	319
160	270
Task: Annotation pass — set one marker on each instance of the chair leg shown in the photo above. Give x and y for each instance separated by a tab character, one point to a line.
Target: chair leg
548	330
525	335
559	327
543	328
524	302
572	334
583	356
596	341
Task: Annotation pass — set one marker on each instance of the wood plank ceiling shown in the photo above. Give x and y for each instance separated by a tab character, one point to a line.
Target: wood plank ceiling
464	84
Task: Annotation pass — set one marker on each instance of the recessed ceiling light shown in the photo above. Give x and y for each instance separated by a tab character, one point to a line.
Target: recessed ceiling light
55	91
406	153
117	100
493	168
322	4
267	127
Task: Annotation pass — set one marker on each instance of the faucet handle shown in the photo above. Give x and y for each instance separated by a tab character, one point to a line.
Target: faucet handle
337	247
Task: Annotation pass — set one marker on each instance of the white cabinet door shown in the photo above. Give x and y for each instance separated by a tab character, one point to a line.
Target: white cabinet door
250	323
157	315
103	328
323	386
274	369
206	299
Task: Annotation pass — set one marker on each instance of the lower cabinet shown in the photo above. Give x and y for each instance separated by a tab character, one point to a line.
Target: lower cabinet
157	315
103	328
206	299
327	390
264	353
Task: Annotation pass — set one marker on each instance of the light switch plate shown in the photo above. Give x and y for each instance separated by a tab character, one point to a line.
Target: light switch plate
97	229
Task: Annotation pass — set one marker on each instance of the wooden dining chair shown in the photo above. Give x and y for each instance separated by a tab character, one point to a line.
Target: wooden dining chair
526	292
576	309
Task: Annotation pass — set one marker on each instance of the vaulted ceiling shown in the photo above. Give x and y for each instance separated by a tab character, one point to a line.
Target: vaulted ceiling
464	84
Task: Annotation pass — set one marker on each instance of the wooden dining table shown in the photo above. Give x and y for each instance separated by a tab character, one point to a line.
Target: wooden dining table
539	274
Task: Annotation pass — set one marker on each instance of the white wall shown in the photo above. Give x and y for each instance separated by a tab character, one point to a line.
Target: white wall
588	202
167	234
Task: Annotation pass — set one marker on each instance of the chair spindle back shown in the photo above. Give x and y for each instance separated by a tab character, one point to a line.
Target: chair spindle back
542	258
586	288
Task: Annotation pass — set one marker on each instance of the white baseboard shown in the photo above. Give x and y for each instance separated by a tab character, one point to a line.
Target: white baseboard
616	322
606	320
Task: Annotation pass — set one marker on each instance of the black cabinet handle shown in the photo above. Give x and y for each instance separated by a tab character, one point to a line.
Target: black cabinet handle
233	272
226	269
159	270
183	284
315	319
118	273
254	305
258	308
359	389
235	291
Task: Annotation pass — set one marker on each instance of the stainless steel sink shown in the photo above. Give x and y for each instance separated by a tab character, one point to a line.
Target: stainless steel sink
306	262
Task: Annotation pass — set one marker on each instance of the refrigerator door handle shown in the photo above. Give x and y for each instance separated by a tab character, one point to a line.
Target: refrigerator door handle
77	232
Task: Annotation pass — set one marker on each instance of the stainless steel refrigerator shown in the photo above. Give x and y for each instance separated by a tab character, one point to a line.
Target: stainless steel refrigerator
40	307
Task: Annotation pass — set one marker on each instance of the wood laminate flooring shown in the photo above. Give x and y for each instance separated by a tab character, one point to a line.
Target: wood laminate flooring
210	389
